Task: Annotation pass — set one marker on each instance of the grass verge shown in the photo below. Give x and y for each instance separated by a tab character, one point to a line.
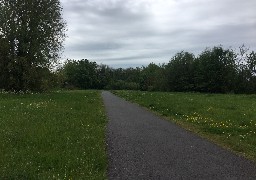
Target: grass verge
228	120
60	135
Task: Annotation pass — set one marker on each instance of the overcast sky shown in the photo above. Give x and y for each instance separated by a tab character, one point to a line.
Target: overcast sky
124	33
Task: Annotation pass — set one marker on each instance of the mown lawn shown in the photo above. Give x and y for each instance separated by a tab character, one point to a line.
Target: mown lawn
59	135
228	120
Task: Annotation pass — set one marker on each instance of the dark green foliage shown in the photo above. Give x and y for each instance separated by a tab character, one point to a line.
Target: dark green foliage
104	76
83	74
4	47
246	78
215	70
124	78
31	36
180	72
152	78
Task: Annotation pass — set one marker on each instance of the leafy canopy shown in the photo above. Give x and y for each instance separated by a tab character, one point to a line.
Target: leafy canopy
33	32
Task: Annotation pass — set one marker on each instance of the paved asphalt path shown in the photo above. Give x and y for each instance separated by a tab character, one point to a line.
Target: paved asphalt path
141	145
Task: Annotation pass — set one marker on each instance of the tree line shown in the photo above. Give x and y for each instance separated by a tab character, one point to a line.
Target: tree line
26	65
215	70
32	34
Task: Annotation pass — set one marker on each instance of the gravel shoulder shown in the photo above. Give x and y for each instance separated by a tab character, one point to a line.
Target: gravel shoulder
141	145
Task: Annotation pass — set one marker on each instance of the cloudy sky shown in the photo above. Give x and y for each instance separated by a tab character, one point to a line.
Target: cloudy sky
124	33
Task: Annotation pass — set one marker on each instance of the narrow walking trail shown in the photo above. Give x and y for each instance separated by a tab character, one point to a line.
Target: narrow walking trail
141	145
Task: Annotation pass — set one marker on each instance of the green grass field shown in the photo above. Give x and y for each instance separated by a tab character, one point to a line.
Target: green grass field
228	120
59	135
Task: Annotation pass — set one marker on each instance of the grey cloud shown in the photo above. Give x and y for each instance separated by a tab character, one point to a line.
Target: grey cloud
96	46
117	12
118	32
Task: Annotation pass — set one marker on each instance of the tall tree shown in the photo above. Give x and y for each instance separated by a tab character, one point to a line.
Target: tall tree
246	63
3	56
150	77
215	70
180	72
80	74
35	31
